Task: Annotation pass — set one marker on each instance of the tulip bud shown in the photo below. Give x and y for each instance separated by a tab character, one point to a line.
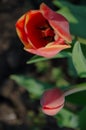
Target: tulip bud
52	101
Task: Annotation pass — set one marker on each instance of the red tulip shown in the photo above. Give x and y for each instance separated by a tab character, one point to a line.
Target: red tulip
52	101
43	32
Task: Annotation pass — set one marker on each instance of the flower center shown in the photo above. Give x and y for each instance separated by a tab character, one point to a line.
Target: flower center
39	32
47	33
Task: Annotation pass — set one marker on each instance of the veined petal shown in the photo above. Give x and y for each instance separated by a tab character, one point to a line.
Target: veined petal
57	22
21	32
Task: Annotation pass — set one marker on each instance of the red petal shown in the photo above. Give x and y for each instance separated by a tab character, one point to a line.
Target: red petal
57	22
48	51
34	21
21	32
52	99
52	112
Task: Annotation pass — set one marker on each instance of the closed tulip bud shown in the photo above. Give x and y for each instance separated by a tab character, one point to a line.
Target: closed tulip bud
52	101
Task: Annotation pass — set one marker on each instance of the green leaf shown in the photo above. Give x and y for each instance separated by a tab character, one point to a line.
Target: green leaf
66	12
79	60
81	40
35	87
78	98
58	3
66	118
35	59
76	14
82	119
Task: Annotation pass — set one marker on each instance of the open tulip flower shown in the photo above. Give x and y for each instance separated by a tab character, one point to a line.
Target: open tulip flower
52	101
43	32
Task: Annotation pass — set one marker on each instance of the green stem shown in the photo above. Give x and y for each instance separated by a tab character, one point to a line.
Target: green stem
74	90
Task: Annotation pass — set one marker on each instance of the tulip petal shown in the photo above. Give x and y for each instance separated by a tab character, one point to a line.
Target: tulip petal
57	22
52	112
33	24
52	99
21	32
48	51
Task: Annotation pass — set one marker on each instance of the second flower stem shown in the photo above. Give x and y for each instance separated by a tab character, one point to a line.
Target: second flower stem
74	90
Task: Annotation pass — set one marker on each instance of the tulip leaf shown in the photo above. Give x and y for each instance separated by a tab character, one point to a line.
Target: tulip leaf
66	118
35	59
79	60
77	98
81	40
82	119
76	15
34	87
66	12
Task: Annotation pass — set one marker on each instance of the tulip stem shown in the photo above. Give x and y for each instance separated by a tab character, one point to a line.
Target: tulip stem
74	90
